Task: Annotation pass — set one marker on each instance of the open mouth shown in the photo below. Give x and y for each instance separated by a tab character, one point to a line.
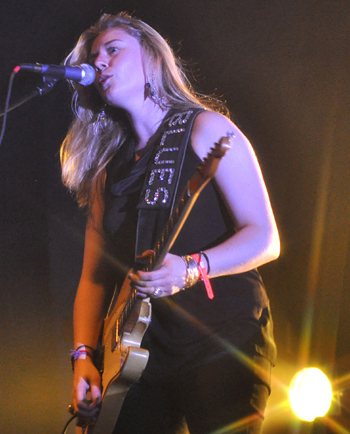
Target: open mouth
103	81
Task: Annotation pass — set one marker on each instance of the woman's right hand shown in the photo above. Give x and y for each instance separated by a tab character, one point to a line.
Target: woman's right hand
86	390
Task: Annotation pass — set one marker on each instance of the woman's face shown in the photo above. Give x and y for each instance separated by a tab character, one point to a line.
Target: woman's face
120	78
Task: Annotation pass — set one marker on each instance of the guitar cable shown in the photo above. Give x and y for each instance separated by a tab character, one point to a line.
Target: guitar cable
67	424
70	409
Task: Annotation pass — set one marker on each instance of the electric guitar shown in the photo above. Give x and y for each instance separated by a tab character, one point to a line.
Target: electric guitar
123	358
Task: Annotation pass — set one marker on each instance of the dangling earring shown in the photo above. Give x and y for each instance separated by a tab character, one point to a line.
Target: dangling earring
100	118
151	92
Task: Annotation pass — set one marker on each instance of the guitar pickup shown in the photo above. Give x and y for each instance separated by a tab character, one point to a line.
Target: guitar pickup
115	336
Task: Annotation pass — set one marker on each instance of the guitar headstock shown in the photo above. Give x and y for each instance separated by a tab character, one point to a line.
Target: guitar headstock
207	169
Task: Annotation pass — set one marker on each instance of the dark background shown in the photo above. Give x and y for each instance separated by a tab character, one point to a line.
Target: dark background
283	68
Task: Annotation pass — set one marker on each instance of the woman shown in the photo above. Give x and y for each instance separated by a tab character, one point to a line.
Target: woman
210	358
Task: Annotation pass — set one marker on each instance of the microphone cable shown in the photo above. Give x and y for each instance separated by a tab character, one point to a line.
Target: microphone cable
40	90
7	103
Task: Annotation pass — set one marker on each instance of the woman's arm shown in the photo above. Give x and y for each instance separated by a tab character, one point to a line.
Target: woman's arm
241	184
91	303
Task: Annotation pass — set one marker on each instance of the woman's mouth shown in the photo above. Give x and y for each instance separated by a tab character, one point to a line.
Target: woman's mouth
103	81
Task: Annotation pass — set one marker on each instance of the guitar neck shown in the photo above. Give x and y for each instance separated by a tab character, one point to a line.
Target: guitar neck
162	247
173	227
195	185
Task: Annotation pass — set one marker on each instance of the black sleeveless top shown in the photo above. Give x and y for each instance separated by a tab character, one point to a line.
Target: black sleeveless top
184	323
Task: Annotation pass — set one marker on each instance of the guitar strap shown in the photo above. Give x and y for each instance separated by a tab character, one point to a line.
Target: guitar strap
162	179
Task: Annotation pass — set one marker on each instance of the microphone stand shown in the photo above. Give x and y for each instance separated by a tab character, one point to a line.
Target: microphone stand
40	90
43	89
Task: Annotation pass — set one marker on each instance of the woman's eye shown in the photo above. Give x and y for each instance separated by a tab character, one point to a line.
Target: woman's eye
112	50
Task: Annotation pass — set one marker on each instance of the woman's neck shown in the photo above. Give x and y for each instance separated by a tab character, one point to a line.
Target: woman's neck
145	124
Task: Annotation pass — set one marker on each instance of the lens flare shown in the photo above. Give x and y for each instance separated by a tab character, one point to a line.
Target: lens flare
310	394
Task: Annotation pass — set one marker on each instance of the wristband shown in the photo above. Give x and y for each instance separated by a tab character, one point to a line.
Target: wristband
82	350
192	271
203	273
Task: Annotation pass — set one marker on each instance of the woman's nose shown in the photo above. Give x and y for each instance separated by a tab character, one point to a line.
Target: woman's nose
101	64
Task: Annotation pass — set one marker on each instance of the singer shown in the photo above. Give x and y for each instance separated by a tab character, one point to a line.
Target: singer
210	345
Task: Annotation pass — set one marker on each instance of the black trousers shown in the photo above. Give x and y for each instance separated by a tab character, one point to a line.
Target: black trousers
220	395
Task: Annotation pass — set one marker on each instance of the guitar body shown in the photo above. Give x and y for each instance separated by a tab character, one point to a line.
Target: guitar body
123	359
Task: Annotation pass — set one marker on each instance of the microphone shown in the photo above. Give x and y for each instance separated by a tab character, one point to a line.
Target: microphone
84	74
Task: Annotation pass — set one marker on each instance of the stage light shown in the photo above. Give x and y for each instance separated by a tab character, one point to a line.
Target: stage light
310	394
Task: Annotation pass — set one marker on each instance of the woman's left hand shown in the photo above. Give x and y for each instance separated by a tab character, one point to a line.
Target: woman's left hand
167	280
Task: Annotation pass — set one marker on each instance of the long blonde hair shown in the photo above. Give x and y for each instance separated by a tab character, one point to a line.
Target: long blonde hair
92	140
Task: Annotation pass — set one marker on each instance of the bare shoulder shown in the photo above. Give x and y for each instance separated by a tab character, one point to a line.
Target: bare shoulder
209	127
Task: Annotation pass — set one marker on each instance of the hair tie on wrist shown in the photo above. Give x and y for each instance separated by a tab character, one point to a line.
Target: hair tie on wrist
207	259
